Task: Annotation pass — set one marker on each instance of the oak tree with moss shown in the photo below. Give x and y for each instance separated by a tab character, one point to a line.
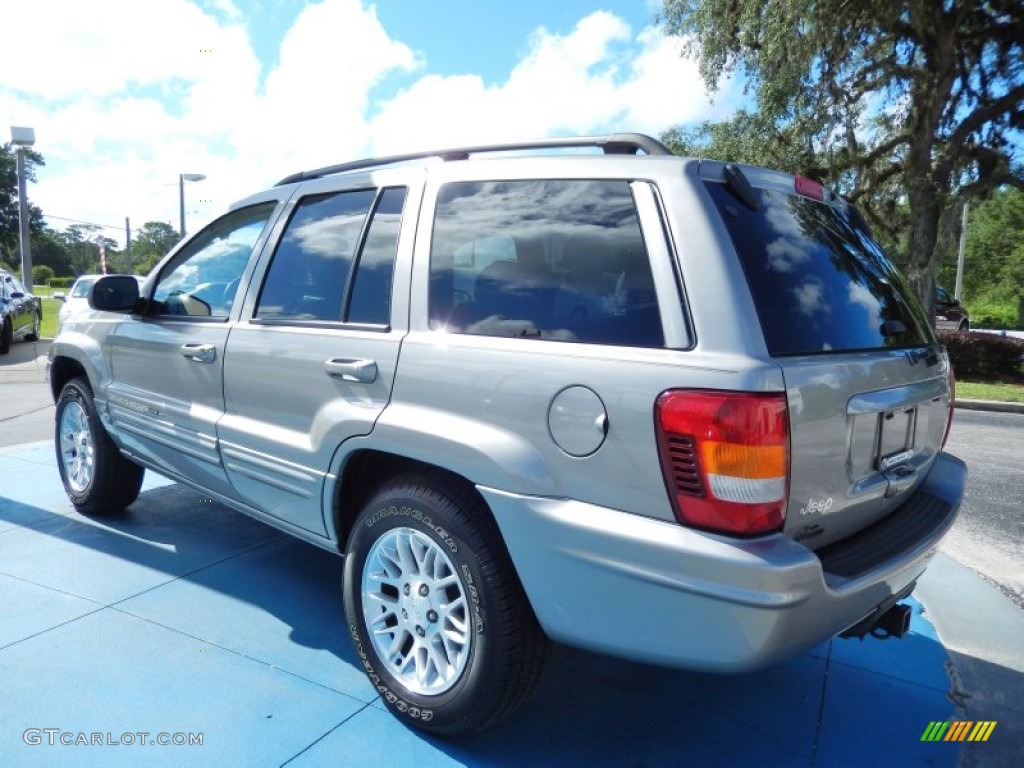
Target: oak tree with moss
909	107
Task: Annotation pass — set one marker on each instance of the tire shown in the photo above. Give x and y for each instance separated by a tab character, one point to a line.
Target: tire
489	650
6	336
964	326
36	322
96	477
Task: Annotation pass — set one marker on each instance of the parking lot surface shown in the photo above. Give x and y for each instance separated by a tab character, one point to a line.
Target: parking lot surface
182	620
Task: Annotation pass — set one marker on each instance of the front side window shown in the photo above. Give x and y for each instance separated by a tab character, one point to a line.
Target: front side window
202	279
12	285
560	260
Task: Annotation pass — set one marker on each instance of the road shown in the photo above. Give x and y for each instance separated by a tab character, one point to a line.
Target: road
26	408
988	538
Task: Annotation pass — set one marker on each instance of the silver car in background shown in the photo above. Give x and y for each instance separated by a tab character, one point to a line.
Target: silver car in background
76	300
678	411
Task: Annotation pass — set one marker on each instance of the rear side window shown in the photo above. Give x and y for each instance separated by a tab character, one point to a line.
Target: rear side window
548	259
335	260
819	282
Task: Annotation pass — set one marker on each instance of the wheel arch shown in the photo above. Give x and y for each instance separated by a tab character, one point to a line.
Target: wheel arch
62	370
366	470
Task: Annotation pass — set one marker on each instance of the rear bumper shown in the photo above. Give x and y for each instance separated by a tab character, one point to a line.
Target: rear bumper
653	591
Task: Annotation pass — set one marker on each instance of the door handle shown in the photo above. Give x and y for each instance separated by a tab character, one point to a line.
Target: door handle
199	353
351	369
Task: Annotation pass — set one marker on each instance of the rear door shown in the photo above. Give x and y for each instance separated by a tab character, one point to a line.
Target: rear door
866	382
314	362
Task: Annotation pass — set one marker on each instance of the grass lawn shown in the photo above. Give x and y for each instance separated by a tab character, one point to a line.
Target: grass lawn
50	309
974	390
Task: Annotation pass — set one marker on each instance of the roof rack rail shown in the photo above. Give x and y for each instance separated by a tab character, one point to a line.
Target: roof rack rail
613	144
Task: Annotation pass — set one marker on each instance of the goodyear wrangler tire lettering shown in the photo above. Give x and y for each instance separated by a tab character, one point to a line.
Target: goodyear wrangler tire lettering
426	573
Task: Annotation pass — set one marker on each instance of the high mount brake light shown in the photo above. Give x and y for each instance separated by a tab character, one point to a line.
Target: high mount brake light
725	458
809	188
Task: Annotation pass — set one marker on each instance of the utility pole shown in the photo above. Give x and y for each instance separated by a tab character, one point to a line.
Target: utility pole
23	139
958	291
128	246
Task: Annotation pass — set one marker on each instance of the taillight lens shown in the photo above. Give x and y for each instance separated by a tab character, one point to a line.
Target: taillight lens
952	405
725	457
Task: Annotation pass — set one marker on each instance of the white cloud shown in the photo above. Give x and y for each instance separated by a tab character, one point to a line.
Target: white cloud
99	48
587	81
125	95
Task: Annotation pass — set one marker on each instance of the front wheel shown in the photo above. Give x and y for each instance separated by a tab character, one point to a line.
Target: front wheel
6	336
438	617
96	477
37	321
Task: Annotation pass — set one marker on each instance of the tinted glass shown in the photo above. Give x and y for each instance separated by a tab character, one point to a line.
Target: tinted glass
819	282
202	279
553	259
311	265
371	292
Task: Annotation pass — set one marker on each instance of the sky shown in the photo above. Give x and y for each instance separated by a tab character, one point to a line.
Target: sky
125	95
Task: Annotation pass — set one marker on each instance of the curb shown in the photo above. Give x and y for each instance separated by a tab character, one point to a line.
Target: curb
994	406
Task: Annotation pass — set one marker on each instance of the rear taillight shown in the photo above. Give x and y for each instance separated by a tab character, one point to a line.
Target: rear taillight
725	457
952	404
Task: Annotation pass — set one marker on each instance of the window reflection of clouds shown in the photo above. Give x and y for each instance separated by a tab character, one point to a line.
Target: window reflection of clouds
553	209
861	295
810	297
329	236
791	249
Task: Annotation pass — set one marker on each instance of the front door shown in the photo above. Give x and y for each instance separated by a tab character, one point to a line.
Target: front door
168	392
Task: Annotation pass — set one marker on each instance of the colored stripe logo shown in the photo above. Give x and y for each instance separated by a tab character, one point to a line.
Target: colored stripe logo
959	730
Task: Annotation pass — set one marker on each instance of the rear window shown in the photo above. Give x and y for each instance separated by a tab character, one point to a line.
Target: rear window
819	282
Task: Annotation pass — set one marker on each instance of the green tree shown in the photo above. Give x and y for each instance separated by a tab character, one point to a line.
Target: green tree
41	274
751	138
49	249
80	242
10	251
993	254
151	243
916	106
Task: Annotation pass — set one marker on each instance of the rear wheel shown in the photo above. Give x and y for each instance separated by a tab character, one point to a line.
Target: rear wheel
440	622
96	477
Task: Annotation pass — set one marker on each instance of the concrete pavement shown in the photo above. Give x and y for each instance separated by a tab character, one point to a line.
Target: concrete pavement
182	619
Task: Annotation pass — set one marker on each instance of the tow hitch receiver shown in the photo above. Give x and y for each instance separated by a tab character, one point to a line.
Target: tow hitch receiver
890	622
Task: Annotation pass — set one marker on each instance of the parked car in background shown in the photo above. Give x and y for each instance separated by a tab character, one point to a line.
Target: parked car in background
21	313
950	314
76	300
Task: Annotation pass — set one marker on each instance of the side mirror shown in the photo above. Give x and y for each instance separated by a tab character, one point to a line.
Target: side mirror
115	293
17	295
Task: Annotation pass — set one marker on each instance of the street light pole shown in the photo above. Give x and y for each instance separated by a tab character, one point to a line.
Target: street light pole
182	178
23	138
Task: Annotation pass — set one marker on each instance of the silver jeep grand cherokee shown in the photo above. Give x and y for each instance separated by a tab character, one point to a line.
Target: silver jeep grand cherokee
678	411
